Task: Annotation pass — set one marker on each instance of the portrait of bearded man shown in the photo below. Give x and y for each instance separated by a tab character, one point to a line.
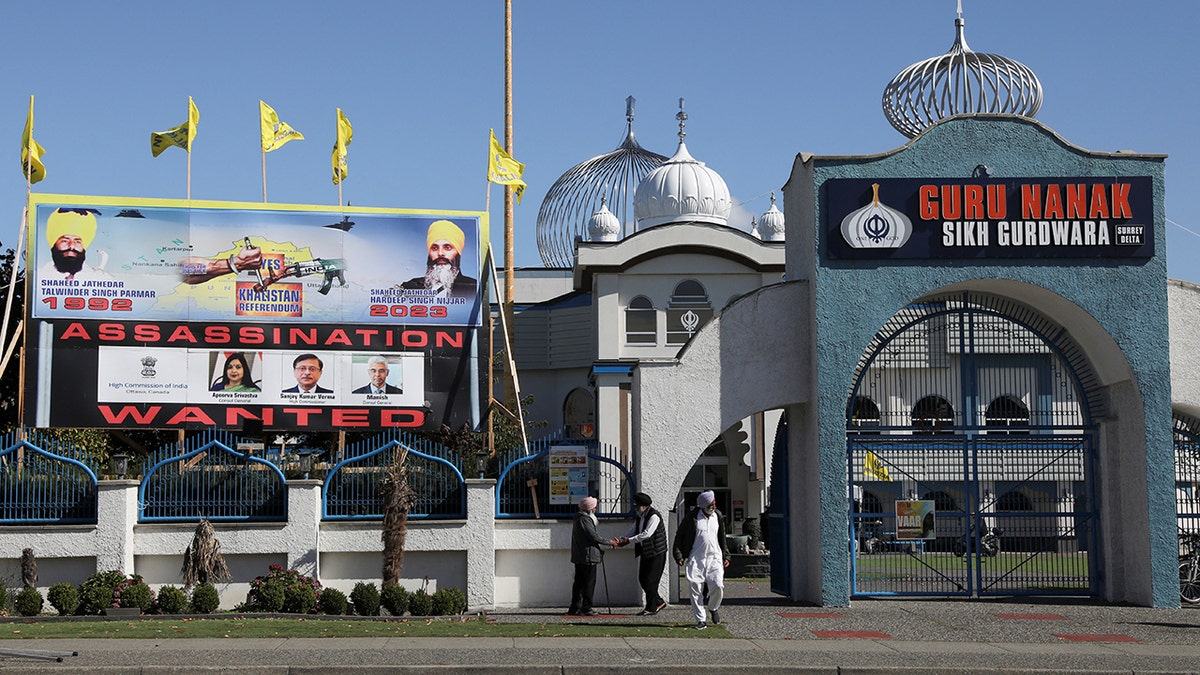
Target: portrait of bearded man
443	273
69	232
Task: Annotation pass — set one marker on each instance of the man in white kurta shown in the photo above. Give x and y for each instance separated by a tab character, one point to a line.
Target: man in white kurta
701	538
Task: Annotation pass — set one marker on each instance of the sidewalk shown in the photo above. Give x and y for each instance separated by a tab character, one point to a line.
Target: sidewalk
770	635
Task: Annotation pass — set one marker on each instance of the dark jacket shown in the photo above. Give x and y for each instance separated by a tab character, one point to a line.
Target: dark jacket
656	545
685	538
585	541
387	389
463	286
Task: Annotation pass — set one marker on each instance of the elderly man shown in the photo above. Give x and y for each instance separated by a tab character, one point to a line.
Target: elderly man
377	370
701	542
585	555
649	538
443	274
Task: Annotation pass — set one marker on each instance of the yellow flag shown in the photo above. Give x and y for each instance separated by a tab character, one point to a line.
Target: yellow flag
503	169
31	151
180	136
873	468
274	132
345	133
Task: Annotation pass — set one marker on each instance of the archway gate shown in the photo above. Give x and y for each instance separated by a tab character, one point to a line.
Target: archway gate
970	455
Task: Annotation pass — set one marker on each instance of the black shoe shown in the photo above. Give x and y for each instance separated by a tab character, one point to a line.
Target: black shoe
658	609
645	612
588	612
572	611
716	616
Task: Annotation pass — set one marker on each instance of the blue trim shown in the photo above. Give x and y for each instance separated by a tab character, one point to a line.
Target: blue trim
612	368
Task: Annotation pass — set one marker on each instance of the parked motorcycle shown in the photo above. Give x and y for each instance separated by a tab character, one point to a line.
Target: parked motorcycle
989	543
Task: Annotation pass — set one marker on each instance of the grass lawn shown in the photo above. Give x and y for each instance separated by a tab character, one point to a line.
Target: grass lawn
312	627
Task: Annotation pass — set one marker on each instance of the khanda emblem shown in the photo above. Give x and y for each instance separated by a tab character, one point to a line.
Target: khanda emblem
876	225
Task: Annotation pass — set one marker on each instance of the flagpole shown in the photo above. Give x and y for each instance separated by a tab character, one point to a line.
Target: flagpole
508	189
12	279
189	174
264	173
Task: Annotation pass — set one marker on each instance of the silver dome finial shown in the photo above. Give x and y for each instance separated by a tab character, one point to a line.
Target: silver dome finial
630	102
958	82
682	117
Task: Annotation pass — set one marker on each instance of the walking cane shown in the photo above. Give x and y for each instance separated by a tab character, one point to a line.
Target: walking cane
604	570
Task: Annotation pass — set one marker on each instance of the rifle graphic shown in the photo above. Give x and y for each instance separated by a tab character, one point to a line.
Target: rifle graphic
333	268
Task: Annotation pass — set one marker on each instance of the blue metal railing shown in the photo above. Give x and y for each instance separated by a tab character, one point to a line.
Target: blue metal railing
352	487
211	479
608	480
46	483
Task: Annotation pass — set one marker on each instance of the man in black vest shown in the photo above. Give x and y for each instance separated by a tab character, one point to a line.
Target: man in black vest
649	537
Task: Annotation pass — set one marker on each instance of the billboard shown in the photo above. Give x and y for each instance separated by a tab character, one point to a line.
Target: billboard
990	218
166	314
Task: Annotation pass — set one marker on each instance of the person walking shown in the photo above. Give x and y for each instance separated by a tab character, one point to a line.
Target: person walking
700	542
585	555
649	538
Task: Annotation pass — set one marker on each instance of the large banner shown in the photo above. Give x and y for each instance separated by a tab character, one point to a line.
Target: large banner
164	314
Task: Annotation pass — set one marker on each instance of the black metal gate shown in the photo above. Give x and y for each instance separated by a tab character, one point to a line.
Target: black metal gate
970	455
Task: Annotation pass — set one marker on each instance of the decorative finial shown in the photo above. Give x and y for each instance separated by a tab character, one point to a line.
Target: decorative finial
960	9
682	117
772	198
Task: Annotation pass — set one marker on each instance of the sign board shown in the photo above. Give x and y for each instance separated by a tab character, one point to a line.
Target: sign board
989	218
568	468
915	519
169	314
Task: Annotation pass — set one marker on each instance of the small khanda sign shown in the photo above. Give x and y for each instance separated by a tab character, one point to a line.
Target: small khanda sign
985	218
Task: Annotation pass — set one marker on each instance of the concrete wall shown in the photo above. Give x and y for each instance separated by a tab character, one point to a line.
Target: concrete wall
496	563
1184	300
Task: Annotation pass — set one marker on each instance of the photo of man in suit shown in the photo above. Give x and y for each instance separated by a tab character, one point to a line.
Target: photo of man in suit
377	371
307	369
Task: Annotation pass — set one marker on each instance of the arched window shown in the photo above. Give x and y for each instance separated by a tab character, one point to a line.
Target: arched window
932	414
641	322
688	310
579	409
864	418
1007	411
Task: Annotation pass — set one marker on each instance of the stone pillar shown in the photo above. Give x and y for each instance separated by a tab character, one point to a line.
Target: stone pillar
304	527
116	514
481	549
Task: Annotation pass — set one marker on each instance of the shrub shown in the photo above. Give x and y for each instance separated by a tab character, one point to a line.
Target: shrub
332	601
299	599
172	600
394	599
420	603
365	598
205	599
3	601
28	602
96	593
283	590
134	593
63	598
449	600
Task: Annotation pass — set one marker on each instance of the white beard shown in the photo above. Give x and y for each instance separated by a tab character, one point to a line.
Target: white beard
440	277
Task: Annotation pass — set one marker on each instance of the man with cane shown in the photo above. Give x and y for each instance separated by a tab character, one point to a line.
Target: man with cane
585	555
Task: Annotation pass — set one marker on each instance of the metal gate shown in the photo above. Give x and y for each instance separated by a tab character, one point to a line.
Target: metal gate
970	455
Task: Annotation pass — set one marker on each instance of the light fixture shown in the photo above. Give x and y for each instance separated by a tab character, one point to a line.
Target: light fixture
120	464
306	458
481	457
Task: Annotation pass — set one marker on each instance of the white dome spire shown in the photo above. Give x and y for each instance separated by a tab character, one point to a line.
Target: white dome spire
770	224
681	190
603	225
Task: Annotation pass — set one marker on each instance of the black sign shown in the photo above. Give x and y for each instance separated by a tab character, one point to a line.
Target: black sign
945	218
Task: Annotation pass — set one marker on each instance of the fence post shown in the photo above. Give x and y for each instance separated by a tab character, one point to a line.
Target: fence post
116	514
481	554
303	526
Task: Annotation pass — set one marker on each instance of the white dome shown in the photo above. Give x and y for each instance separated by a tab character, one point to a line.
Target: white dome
603	225
681	190
770	224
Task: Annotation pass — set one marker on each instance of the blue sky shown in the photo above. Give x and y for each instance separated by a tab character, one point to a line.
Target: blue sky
422	82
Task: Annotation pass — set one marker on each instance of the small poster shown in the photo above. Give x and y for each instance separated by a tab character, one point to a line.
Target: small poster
568	467
915	519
